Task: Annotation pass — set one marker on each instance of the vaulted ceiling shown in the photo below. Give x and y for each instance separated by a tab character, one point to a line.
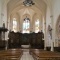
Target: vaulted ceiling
16	6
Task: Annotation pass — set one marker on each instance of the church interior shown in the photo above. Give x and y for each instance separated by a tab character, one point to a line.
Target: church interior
29	30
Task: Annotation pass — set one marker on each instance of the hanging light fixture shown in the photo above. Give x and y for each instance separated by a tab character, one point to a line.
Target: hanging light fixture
26	18
28	3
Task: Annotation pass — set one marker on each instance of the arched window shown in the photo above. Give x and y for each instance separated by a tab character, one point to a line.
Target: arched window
26	25
37	23
14	25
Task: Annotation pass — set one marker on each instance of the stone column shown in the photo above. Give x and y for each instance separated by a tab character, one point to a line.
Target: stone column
52	39
52	25
40	23
45	35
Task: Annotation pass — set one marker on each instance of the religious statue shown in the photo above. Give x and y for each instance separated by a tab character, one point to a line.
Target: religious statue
50	31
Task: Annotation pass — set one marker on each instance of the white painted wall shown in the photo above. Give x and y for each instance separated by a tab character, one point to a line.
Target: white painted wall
48	22
1	13
5	13
56	13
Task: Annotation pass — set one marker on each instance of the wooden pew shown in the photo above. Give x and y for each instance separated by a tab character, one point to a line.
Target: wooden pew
11	54
44	55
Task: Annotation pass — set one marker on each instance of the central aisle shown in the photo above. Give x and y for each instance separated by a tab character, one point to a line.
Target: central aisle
26	55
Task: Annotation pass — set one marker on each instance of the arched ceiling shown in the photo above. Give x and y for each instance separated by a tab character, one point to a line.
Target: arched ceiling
15	5
26	11
48	2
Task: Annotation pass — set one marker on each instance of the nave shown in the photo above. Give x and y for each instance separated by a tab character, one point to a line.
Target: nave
26	55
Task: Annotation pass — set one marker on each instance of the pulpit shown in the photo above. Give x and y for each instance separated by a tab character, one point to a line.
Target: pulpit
2	37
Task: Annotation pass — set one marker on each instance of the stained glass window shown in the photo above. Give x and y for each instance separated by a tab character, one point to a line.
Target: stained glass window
37	26
26	25
14	25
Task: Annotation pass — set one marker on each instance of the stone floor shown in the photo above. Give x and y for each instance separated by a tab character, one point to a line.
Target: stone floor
26	55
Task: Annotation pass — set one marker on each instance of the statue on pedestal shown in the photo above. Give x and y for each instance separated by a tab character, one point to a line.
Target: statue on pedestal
50	31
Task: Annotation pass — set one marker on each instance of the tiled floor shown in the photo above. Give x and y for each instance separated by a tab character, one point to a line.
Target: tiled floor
26	55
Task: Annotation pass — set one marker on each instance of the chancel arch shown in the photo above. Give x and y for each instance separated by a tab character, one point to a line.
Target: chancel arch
22	10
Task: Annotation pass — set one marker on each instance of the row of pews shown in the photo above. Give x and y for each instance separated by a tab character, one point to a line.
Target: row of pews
11	54
40	54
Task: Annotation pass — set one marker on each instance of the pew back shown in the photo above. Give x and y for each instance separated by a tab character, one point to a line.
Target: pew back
44	55
11	54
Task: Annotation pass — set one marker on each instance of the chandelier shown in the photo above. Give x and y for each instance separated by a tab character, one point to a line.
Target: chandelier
28	3
27	19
